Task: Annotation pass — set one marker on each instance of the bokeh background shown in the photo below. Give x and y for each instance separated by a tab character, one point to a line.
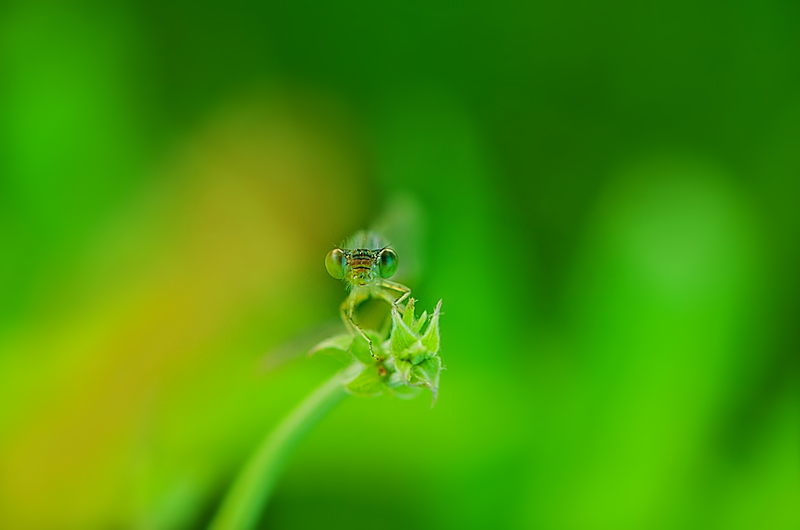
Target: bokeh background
605	195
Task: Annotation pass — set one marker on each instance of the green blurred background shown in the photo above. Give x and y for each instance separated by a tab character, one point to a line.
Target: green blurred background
604	194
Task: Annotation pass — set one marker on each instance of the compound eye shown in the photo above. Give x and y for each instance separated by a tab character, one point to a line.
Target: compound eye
336	262
387	263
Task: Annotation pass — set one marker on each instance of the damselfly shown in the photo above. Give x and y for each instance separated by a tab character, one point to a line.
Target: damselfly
365	262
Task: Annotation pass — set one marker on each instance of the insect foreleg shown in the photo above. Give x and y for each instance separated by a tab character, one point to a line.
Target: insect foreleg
347	310
406	292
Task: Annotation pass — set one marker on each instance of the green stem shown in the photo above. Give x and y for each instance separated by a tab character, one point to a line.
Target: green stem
247	497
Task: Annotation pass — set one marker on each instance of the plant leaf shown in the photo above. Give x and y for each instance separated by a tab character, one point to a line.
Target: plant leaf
405	392
337	347
420	322
367	383
408	316
427	373
360	349
404	369
431	338
403	339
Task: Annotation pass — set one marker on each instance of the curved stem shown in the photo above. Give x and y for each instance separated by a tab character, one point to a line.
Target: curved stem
242	506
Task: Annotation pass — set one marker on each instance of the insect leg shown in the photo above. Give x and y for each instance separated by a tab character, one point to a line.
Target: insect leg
396	287
347	310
